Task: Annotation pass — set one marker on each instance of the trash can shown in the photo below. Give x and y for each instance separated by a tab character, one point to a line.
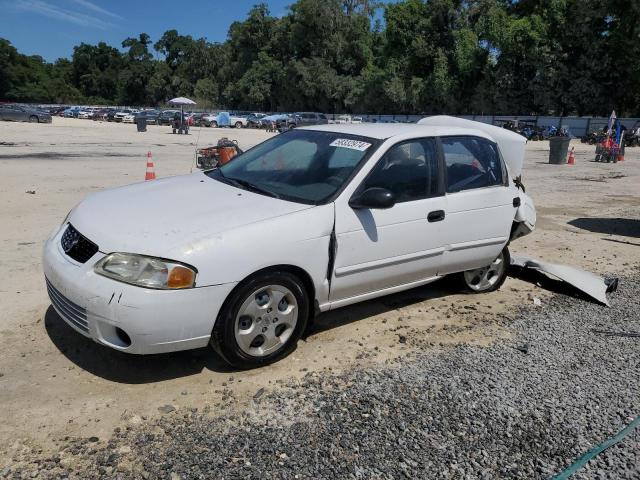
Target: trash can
558	149
141	122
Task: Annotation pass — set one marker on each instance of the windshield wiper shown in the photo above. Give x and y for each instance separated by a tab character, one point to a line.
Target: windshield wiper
252	186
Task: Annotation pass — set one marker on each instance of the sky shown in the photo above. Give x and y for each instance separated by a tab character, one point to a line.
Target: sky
51	28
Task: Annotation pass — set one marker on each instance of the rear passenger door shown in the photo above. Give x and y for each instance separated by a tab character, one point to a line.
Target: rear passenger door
480	207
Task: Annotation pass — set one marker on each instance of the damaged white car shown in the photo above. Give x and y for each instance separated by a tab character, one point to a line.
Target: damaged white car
317	218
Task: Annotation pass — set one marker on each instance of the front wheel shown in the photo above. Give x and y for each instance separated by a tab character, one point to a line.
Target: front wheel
491	277
238	125
33	119
214	124
262	320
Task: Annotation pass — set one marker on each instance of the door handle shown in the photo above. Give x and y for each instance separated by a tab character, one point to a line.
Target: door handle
436	216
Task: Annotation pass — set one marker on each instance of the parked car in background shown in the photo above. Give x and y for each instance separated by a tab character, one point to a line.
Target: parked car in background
71	112
225	119
152	116
273	119
303	119
204	119
19	113
341	119
166	117
111	115
57	111
130	117
197	119
322	217
239	121
356	119
102	113
120	114
85	113
254	120
208	119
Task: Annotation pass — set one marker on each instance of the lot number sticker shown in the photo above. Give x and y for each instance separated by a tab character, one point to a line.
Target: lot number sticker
352	144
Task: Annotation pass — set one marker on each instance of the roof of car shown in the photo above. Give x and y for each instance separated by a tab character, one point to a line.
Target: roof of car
387	130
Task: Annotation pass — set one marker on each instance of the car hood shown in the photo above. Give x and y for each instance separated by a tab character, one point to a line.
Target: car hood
169	216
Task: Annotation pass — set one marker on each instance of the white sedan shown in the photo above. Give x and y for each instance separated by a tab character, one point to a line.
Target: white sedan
243	256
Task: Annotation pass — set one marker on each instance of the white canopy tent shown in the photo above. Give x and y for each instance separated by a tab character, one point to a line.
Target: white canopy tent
511	144
182	101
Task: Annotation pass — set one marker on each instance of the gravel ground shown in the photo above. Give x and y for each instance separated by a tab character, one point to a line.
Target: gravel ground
524	408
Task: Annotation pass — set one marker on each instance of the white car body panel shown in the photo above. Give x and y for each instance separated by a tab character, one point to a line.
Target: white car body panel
593	285
382	248
474	237
155	320
228	234
178	218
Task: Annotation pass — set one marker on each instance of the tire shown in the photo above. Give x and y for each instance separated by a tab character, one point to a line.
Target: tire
238	125
33	119
276	286
214	124
478	280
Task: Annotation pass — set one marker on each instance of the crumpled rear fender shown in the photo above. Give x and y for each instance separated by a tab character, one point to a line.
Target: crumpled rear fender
524	221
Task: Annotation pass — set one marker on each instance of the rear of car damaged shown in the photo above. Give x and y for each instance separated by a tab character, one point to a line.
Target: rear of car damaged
311	220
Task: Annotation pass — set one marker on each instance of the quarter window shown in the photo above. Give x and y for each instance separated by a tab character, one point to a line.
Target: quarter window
471	162
409	170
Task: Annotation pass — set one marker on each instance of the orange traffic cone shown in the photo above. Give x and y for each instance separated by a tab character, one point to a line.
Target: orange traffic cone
151	174
572	156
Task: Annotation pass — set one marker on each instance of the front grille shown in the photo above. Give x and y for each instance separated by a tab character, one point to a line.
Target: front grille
72	313
77	246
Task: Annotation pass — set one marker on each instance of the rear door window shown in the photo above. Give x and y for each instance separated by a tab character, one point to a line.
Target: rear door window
471	162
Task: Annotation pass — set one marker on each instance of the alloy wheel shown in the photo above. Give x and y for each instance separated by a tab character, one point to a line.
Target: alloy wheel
266	320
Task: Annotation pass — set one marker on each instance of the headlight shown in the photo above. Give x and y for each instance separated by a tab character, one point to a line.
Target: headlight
147	272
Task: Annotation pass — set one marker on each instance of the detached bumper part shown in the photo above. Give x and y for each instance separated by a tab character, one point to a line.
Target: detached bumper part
593	285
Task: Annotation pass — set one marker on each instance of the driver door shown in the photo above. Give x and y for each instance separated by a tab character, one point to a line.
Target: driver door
381	249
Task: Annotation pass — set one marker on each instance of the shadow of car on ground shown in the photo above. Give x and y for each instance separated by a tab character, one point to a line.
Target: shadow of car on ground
628	227
126	368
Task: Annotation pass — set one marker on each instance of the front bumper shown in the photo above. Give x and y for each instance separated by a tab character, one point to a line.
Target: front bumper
155	321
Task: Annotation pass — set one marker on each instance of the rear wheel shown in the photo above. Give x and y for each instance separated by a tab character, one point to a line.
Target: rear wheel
33	119
238	125
214	124
262	320
491	277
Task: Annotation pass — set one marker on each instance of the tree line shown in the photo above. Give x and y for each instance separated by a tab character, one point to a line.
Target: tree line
560	57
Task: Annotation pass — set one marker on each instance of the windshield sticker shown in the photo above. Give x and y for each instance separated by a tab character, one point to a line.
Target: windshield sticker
352	144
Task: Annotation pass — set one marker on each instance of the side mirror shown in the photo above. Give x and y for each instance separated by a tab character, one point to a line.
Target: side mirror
374	197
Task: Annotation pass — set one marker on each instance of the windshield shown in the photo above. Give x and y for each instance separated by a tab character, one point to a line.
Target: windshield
300	165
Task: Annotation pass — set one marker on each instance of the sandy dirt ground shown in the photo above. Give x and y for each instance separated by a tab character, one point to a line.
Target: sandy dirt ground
55	383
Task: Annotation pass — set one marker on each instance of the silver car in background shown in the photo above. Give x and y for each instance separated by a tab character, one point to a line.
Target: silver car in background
18	113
